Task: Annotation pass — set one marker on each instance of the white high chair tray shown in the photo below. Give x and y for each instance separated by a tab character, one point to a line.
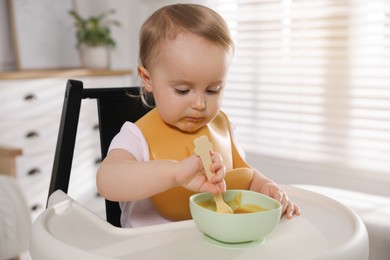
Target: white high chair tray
325	230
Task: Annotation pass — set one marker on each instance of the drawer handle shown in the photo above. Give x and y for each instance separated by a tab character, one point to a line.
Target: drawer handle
30	97
96	127
98	161
33	171
32	134
36	207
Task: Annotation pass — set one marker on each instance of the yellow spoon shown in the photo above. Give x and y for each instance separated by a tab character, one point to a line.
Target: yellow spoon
202	149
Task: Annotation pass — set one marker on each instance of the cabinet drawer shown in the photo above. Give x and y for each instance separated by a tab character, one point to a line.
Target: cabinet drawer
23	99
41	162
32	136
38	134
31	166
34	174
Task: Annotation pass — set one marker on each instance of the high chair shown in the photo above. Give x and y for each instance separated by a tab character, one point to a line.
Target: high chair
67	230
115	106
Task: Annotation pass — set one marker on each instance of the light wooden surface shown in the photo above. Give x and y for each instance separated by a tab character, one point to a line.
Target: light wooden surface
8	160
76	72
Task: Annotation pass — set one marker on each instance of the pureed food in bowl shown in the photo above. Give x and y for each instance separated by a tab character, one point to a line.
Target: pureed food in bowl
235	204
256	216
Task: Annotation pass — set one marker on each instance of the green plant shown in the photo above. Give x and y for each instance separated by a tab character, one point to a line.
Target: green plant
94	31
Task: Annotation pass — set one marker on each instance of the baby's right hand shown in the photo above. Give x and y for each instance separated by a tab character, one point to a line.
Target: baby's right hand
190	174
219	169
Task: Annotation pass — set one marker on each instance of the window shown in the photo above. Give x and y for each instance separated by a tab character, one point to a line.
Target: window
310	81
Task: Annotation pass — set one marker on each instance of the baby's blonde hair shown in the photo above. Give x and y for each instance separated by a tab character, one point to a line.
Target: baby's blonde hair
167	22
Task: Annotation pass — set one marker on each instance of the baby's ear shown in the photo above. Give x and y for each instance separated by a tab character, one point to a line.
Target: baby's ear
145	77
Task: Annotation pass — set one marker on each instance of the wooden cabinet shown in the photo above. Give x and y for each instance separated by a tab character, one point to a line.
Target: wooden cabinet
30	111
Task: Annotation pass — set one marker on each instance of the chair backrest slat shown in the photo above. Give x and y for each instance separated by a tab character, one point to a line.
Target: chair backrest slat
115	106
66	137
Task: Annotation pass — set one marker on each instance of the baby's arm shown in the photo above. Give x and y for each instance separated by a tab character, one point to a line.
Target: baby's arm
122	178
262	184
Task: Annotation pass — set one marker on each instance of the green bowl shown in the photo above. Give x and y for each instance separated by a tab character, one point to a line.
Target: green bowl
236	228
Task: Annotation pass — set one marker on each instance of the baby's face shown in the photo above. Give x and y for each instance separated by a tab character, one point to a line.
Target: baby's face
188	81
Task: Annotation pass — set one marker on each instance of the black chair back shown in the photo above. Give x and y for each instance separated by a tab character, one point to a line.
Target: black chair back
115	106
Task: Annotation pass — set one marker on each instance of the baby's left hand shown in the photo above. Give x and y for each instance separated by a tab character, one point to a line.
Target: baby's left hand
274	191
264	185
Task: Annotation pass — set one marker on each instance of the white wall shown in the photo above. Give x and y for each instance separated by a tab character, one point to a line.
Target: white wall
122	57
6	51
131	15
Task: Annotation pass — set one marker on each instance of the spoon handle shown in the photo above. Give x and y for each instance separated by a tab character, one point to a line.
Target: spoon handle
202	149
206	161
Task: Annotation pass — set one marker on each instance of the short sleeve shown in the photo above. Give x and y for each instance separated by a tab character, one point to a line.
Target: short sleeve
131	139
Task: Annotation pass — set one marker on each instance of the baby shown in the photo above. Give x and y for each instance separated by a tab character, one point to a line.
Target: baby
185	54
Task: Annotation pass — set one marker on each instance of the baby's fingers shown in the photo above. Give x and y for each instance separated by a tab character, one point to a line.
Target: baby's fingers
222	186
213	188
288	207
291	210
217	167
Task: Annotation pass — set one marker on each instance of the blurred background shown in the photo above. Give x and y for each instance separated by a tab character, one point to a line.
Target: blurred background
308	90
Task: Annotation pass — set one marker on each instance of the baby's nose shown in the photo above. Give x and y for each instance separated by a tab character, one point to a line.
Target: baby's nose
199	102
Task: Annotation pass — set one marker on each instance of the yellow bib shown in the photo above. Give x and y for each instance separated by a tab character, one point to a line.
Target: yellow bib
167	142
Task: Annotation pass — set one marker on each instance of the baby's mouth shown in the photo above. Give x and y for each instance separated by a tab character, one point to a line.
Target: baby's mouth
194	119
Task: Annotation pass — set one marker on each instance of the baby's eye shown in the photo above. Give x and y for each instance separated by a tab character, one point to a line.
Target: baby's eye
212	91
182	91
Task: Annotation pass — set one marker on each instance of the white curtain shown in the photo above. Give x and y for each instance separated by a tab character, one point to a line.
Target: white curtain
310	82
